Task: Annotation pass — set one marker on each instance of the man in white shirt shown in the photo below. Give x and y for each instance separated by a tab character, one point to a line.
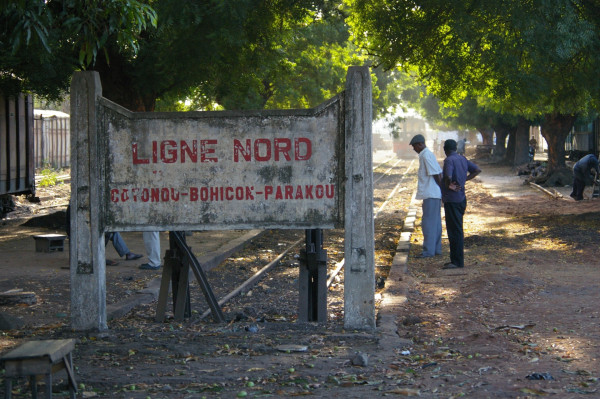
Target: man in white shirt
429	190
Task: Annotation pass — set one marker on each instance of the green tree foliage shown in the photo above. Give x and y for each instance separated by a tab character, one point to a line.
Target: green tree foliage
298	65
301	62
470	114
233	54
532	58
187	54
43	42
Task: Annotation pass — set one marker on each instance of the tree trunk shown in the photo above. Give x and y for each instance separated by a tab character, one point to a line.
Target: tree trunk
502	131
521	143
555	129
487	134
118	86
500	147
510	148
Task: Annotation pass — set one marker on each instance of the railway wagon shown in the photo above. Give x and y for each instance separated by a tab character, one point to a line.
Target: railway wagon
583	139
17	168
401	147
406	128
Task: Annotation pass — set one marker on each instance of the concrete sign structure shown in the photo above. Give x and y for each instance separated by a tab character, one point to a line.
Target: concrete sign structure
296	169
222	170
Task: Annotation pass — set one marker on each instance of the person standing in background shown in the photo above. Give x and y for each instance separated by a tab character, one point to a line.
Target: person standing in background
429	190
120	247
457	170
152	244
115	237
461	146
585	171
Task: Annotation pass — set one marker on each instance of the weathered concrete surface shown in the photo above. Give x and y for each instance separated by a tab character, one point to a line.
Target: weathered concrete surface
87	262
359	246
396	288
222	170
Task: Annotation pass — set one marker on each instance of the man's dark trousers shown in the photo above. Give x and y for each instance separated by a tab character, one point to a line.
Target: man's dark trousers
454	212
578	187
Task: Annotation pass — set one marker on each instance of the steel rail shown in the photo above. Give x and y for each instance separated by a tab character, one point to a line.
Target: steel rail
249	283
395	190
338	266
384	174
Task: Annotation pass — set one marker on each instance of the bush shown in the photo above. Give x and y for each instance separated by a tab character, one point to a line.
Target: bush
49	178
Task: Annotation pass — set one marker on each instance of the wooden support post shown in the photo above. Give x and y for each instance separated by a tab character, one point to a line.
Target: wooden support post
312	280
163	293
176	273
181	291
179	261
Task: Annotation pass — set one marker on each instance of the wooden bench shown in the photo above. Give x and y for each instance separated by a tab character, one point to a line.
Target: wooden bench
37	358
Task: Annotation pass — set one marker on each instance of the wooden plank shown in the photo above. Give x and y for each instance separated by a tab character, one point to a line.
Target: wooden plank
14	298
87	249
24	367
53	349
542	189
165	281
68	363
182	291
11	145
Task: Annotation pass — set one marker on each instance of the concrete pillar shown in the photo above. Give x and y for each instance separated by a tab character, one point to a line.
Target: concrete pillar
87	259
359	247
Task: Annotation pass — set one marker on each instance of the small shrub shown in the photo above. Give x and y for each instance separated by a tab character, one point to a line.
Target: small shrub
49	178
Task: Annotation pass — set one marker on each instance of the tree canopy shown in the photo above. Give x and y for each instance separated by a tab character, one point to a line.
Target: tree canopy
532	58
298	63
185	55
244	54
43	42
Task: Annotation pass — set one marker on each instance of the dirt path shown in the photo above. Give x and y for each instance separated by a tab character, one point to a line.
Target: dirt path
526	305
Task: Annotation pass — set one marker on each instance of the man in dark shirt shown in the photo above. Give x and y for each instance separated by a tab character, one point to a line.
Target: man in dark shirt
582	175
457	170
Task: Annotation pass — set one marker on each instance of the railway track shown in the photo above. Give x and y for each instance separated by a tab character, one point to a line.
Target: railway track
260	283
